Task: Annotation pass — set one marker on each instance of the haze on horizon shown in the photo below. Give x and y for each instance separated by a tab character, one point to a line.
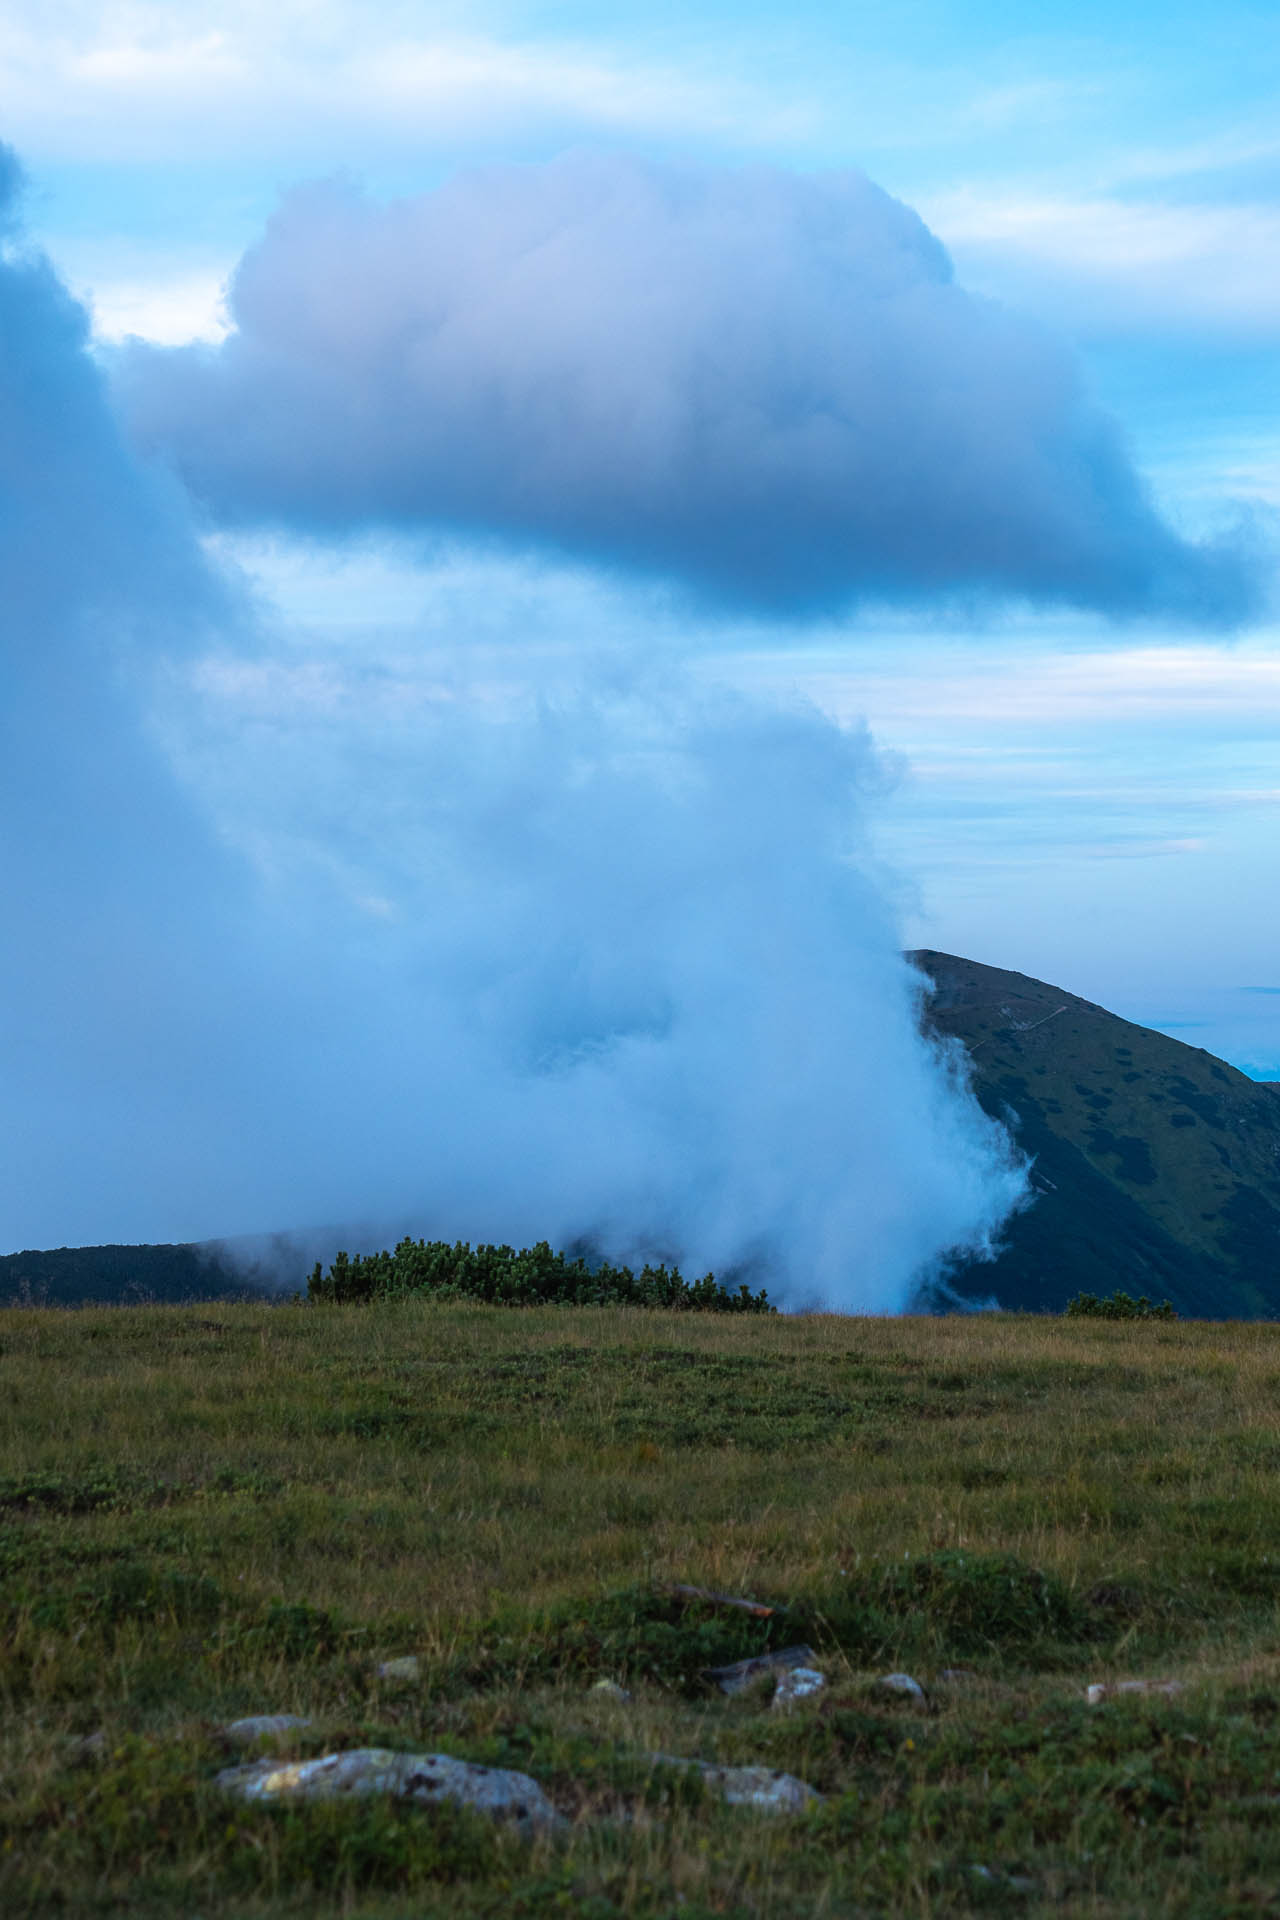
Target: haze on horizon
553	549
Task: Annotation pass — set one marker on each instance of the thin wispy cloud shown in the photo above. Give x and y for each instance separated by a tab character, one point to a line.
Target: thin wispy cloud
235	84
1108	264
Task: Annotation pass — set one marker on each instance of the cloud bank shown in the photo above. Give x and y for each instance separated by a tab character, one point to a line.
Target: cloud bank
764	386
503	956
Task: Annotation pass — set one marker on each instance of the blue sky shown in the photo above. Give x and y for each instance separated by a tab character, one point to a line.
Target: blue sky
1080	769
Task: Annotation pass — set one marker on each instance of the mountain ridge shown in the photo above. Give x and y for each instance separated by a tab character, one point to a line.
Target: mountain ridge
1155	1165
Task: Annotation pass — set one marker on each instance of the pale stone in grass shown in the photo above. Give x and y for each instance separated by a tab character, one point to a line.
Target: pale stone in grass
405	1667
997	1877
761	1787
610	1690
264	1726
1113	1689
801	1683
742	1674
902	1683
425	1778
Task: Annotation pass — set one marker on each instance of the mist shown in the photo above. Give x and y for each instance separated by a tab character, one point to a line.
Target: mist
507	945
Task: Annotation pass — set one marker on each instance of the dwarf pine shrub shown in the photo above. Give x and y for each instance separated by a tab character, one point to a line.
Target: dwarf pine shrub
1119	1306
534	1276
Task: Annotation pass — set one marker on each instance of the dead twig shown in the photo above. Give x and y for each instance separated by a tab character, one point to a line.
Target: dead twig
692	1594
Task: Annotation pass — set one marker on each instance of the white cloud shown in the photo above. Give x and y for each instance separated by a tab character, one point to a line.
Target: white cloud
764	385
170	311
330	86
1099	263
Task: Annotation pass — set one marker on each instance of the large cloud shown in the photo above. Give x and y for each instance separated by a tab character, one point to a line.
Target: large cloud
763	385
506	959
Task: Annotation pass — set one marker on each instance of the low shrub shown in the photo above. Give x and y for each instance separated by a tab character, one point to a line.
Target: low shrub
1119	1306
534	1276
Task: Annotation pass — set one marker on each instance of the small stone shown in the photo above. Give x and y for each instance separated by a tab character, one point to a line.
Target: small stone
744	1673
1112	1689
264	1726
425	1778
761	1787
610	1690
798	1684
92	1747
956	1676
902	1683
997	1877
406	1666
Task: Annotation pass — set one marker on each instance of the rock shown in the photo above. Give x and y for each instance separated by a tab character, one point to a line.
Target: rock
405	1667
997	1877
956	1676
92	1747
797	1684
425	1778
742	1673
902	1683
610	1690
1112	1689
761	1787
264	1726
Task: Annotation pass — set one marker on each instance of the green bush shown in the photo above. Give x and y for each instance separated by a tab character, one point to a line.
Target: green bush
533	1277
1120	1306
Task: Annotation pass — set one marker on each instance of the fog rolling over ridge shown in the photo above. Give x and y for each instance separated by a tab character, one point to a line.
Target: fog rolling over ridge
511	943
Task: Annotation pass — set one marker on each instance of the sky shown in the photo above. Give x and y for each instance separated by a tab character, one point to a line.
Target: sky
910	368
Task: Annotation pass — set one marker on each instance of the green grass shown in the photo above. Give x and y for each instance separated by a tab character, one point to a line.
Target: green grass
206	1514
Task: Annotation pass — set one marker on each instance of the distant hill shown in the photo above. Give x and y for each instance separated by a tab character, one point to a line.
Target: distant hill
110	1276
1156	1166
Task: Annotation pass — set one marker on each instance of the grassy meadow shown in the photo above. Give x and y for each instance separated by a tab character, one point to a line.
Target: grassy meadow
207	1512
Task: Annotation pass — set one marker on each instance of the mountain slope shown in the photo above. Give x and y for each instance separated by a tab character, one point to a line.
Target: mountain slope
1156	1166
127	1276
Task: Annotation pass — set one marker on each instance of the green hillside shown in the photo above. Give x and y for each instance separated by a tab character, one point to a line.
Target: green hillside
121	1276
1156	1166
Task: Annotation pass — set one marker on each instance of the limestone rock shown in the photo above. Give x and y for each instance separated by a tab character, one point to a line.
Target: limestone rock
997	1877
425	1778
743	1673
799	1683
610	1690
1112	1689
405	1667
761	1787
904	1684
